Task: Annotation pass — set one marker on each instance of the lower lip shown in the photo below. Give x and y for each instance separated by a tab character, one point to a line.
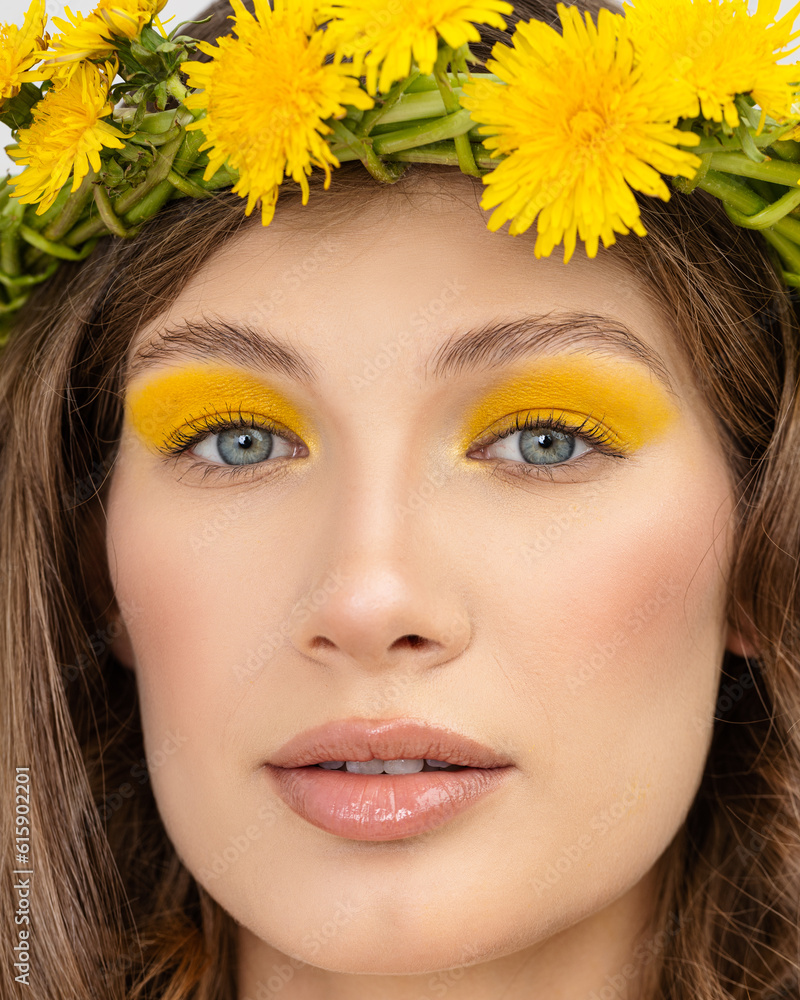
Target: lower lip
382	806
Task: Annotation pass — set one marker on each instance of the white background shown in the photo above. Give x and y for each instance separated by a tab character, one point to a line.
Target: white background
13	12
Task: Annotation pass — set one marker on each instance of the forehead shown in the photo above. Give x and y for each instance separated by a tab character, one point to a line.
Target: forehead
410	265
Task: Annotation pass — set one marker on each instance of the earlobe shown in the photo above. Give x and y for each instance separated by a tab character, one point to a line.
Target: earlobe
741	641
121	646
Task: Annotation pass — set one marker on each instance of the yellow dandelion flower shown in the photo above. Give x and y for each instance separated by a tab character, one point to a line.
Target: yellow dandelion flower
92	36
386	35
717	49
20	48
66	136
582	126
270	123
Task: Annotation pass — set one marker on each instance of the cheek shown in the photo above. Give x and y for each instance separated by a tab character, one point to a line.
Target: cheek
623	641
185	565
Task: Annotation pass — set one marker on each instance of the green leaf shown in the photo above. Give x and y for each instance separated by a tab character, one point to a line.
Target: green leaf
17	111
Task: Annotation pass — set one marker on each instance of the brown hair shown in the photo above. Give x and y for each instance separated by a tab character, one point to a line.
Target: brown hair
118	915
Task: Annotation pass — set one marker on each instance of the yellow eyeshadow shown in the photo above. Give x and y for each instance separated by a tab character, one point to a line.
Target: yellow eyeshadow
176	400
619	397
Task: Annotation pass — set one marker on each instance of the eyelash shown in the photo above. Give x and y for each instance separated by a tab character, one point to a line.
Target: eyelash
181	441
592	433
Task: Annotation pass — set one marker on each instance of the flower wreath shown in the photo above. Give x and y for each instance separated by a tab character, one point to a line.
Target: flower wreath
112	117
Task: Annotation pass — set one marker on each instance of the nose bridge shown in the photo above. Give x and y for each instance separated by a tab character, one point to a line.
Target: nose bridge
379	523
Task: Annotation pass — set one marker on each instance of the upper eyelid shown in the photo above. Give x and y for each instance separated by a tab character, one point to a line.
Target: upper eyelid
210	468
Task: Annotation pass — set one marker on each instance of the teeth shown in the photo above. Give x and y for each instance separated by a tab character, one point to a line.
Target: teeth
373	766
401	765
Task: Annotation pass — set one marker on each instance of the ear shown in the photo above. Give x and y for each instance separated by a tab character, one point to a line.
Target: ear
741	639
121	645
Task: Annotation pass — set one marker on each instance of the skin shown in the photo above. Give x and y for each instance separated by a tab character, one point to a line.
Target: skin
574	621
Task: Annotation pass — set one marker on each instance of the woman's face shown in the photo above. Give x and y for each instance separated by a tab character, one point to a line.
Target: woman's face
555	593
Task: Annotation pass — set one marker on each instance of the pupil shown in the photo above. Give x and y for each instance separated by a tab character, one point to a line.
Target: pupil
245	440
549	448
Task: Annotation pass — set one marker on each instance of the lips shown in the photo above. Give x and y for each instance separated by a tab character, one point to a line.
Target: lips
396	739
382	807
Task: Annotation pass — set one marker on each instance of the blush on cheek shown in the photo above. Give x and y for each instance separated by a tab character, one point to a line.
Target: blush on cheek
648	595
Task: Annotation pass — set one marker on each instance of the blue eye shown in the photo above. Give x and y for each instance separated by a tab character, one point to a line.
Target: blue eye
234	441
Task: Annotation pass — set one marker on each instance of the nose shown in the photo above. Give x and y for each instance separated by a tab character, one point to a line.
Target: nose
396	598
382	616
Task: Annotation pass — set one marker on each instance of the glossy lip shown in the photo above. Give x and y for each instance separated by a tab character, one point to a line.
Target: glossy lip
394	739
381	807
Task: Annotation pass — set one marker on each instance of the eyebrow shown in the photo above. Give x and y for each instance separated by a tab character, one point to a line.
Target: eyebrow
492	345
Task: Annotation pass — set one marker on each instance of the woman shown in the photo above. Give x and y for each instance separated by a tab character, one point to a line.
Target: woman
534	523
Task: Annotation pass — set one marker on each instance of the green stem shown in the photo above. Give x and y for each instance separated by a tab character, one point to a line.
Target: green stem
420	135
738	196
374	115
443	153
767	217
163	191
364	151
9	238
187	187
720	143
224	177
790	254
415	106
428	81
112	221
155	122
176	89
155	177
72	210
27	280
48	246
466	160
786	149
162	164
189	150
779	172
41	221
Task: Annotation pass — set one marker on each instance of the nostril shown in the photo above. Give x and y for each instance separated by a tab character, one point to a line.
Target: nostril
413	640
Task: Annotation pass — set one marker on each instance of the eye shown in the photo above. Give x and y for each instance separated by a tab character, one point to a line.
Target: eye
243	445
234	441
537	440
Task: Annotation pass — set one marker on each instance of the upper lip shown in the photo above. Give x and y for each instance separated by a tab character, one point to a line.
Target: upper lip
365	739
